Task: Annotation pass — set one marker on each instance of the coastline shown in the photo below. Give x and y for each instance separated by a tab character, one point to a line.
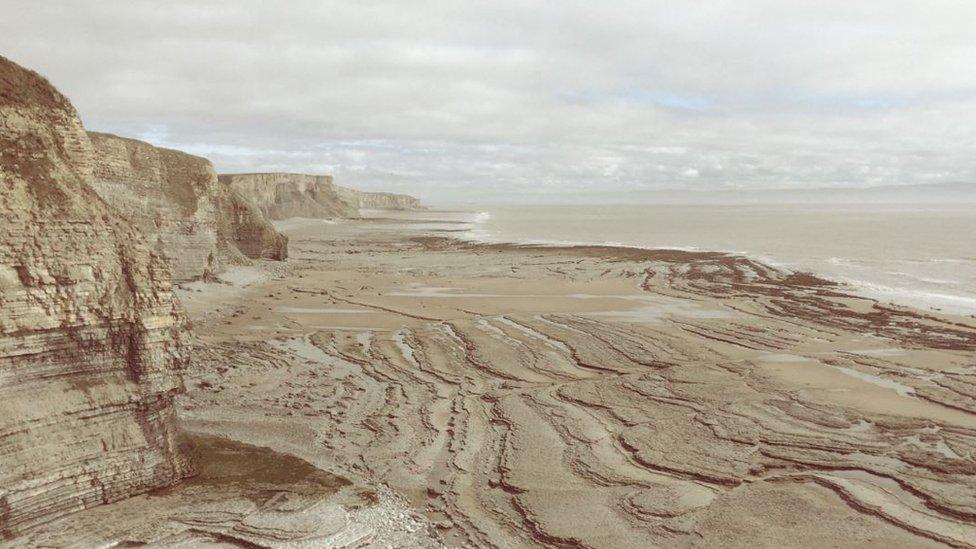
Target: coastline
644	330
955	303
500	394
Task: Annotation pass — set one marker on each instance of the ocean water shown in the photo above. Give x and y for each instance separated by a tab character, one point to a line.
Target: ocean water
923	256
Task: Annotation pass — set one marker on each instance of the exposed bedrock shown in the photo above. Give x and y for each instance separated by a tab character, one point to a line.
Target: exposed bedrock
284	195
379	201
538	396
92	341
175	199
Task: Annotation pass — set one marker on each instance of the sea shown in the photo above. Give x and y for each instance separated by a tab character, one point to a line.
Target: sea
922	256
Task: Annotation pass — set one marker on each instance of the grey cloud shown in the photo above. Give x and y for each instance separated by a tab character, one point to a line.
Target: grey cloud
441	98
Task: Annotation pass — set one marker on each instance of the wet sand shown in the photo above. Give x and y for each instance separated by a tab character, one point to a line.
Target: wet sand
591	396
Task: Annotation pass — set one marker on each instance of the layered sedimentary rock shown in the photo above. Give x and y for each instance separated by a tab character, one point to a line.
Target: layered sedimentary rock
174	199
284	195
543	396
91	338
244	496
379	201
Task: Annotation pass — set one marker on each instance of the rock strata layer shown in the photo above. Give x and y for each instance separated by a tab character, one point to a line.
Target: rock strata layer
91	338
175	199
379	201
546	396
284	195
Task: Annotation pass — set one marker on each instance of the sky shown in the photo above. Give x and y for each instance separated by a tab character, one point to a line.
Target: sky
448	99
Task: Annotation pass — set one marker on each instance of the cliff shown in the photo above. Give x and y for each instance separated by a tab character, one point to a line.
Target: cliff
379	201
284	195
174	199
92	341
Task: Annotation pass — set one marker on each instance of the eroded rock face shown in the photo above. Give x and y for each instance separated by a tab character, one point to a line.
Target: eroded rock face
244	226
174	199
379	201
92	341
284	195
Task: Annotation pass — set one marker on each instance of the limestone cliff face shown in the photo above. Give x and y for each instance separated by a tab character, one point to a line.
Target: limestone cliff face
284	195
174	199
388	201
91	338
379	201
244	226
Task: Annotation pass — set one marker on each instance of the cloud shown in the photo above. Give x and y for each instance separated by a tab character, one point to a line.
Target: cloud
440	97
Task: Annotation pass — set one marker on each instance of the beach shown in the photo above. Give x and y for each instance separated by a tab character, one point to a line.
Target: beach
365	276
591	396
916	254
594	396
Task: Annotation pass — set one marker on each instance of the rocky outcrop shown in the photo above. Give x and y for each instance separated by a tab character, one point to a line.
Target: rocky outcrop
284	195
92	341
174	199
379	201
245	227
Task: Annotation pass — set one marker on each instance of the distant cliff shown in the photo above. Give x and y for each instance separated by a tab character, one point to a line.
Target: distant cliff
92	341
379	201
284	195
175	199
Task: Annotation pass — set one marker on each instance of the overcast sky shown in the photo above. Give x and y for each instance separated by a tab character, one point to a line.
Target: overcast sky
439	98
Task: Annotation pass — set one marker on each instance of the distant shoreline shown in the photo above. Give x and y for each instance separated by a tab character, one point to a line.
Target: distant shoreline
933	298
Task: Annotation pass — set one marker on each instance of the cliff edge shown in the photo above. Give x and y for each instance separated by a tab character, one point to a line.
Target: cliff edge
174	199
379	201
92	341
284	195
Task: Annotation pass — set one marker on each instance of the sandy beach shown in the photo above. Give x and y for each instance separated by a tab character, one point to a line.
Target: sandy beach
508	395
